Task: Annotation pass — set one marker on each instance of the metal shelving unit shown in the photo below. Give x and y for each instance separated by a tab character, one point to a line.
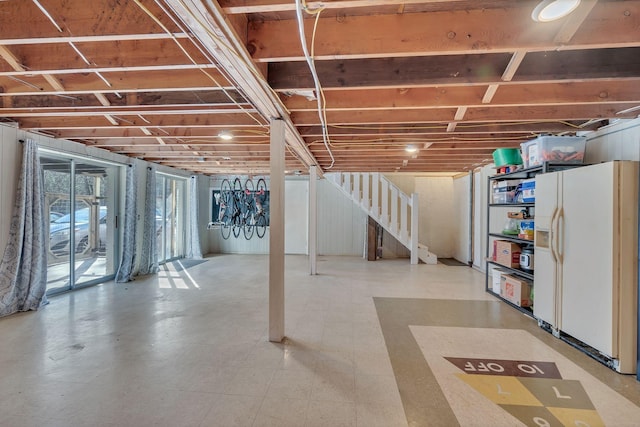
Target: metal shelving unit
519	174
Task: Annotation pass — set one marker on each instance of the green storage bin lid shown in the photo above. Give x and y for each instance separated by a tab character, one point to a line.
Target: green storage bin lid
507	156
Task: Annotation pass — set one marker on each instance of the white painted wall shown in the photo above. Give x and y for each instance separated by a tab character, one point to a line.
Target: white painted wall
296	217
10	161
341	224
461	204
619	141
436	226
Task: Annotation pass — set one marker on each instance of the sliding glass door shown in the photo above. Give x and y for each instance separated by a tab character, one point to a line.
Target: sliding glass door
170	216
80	202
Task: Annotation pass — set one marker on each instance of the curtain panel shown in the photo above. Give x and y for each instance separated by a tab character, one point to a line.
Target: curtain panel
149	252
193	250
23	269
125	270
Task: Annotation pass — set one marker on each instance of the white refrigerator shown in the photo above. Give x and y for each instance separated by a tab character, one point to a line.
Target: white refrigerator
586	248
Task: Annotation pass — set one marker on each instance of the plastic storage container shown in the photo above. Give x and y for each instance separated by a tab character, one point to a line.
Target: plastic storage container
556	149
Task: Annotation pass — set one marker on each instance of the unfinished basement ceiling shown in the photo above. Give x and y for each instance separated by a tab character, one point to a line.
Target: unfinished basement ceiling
160	80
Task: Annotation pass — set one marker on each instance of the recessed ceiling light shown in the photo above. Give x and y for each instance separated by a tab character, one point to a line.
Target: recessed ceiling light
550	10
411	148
226	135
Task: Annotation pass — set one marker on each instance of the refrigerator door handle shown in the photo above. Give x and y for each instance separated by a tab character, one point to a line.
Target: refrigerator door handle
560	236
552	234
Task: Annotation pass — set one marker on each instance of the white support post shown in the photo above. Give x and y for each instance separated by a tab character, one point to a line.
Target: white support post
276	232
394	209
313	220
415	216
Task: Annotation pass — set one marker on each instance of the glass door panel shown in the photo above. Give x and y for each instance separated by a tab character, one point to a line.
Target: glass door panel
82	245
57	186
170	200
94	230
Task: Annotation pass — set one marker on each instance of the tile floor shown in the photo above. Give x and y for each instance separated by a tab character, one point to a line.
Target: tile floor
365	346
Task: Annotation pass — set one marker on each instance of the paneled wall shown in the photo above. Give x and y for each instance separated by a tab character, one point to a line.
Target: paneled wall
461	204
341	224
10	161
435	195
619	141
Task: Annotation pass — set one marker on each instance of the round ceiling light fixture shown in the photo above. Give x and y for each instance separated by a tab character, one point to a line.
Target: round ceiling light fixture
411	148
226	135
550	10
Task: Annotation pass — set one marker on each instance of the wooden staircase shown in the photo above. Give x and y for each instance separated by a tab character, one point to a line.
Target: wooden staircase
383	201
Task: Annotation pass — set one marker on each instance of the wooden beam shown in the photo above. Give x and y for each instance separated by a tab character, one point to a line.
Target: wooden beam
482	114
394	72
96	38
224	101
79	18
473	31
481	69
265	6
513	65
11	59
132	53
574	21
171	120
559	93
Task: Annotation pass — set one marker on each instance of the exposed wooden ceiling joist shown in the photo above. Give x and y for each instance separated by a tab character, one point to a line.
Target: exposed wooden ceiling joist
160	79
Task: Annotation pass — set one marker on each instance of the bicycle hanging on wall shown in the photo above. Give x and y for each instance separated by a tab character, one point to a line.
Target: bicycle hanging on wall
242	208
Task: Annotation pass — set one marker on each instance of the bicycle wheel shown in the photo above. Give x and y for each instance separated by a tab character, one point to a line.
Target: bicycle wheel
237	185
261	191
248	187
249	228
226	231
261	225
225	198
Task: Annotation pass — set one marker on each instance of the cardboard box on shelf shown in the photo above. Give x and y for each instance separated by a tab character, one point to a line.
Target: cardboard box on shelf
529	190
496	276
516	290
507	253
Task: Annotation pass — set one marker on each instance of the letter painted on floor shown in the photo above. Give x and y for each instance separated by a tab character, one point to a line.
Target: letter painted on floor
511	368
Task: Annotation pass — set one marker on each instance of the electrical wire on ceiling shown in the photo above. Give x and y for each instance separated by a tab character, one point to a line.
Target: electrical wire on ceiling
467	125
202	21
319	94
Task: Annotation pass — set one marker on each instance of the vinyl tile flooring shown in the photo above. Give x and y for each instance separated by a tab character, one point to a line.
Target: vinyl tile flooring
368	344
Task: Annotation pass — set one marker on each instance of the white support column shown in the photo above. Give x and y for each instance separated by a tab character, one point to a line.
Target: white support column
276	232
415	216
313	220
